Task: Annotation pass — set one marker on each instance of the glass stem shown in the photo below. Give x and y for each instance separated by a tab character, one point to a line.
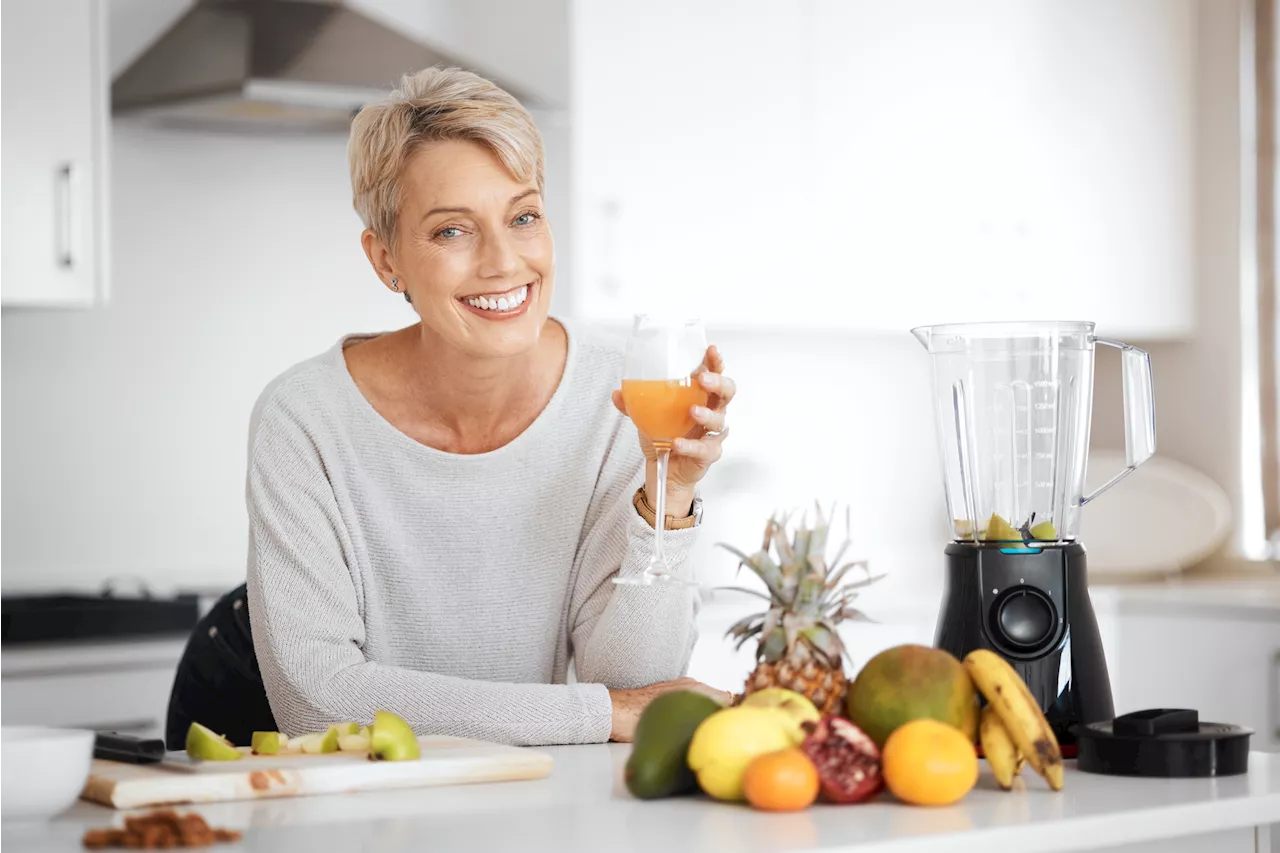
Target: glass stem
660	522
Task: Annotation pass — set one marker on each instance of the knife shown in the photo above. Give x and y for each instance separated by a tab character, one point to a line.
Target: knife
133	750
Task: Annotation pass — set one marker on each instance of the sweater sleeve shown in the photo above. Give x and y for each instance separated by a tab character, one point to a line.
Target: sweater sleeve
627	636
308	632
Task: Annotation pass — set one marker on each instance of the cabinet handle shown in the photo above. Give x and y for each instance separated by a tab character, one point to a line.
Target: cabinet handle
1274	700
66	236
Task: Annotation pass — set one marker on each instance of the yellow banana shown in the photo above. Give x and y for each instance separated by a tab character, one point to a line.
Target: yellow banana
1006	692
1003	757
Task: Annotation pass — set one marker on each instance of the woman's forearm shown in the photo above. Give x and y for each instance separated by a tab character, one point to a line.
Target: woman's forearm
516	714
628	636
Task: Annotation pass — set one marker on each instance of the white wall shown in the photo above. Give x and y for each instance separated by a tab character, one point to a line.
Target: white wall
125	426
1198	381
235	257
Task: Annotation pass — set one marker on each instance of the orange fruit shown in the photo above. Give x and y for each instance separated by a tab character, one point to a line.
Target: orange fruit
928	763
783	781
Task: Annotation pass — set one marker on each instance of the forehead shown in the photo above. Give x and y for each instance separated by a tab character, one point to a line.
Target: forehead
457	173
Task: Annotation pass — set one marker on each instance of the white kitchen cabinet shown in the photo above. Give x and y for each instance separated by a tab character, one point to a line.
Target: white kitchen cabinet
1223	663
685	131
121	686
55	100
867	165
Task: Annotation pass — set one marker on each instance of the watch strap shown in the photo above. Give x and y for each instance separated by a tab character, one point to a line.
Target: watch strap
650	515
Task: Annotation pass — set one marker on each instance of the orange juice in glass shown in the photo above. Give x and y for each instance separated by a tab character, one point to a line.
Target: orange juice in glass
659	390
660	408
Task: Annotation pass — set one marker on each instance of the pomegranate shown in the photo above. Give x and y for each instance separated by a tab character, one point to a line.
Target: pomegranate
848	761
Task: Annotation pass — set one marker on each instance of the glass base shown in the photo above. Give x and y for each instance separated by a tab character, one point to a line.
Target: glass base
648	579
654	573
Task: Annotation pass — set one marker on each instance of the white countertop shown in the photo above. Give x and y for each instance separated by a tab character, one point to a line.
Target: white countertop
583	806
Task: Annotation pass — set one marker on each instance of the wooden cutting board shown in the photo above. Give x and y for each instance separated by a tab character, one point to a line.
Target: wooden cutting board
178	779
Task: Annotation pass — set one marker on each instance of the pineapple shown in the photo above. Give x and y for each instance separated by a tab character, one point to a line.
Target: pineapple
797	644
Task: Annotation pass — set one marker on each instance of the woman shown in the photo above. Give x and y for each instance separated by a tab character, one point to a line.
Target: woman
437	513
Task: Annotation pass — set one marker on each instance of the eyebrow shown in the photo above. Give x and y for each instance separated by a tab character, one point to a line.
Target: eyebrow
515	198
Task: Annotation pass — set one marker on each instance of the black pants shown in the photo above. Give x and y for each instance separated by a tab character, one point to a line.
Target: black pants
218	684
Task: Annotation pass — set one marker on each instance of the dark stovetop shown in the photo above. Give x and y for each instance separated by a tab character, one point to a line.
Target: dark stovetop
54	618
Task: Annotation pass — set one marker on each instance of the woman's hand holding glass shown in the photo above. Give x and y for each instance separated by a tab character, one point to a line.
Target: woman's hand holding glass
679	413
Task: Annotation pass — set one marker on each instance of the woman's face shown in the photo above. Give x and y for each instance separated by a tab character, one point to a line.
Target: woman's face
475	250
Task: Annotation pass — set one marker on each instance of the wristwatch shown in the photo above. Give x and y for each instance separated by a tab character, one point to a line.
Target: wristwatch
649	514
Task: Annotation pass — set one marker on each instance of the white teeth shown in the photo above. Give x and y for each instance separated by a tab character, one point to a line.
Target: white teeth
506	302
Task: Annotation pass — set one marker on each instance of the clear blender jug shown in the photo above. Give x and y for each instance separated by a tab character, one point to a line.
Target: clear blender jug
1013	404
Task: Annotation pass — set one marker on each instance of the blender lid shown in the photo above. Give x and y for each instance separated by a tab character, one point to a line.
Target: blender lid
1163	742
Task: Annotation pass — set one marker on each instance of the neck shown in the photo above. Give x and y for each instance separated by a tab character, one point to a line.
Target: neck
473	398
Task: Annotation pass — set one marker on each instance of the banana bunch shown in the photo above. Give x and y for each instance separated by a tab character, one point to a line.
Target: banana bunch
1012	729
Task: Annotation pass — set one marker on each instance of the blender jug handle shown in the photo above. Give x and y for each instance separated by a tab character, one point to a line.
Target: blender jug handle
1139	412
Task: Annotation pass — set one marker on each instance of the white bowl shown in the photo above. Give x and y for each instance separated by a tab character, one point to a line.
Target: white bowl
43	769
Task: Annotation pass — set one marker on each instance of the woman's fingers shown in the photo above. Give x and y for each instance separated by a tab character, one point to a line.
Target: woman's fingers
721	386
617	402
706	450
713	421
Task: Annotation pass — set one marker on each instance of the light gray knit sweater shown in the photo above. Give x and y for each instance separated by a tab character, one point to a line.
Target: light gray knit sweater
454	590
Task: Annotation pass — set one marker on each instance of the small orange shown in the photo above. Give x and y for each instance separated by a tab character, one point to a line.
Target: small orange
929	763
783	781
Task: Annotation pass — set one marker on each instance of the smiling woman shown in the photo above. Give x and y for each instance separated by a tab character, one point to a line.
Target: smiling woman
437	513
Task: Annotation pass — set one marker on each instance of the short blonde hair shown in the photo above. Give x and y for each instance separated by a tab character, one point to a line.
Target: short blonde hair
432	105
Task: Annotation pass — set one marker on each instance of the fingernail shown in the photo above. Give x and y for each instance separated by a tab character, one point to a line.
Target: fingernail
710	380
701	412
681	445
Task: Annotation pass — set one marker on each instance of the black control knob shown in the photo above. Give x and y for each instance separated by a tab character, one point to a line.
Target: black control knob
1026	617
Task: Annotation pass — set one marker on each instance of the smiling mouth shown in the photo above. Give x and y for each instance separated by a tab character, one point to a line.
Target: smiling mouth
509	300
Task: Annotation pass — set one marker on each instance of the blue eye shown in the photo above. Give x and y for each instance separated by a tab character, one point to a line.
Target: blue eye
526	219
444	232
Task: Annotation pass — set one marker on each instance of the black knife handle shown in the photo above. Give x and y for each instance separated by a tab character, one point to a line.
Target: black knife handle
134	750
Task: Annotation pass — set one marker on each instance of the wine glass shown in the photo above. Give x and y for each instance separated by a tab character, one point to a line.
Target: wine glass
659	390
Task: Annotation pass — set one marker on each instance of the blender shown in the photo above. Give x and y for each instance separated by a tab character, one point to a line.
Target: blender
1013	402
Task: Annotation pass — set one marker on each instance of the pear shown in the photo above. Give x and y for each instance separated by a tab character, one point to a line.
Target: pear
269	743
393	739
206	744
353	743
345	728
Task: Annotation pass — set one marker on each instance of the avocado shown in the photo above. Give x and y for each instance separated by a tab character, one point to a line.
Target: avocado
657	767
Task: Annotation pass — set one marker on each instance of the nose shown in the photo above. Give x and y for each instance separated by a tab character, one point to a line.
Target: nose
499	257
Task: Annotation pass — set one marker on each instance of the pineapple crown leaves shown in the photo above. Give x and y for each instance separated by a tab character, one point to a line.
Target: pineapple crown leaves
807	599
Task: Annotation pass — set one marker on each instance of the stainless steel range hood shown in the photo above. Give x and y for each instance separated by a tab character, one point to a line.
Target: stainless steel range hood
274	65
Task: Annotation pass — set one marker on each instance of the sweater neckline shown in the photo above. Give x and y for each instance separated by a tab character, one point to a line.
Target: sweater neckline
529	434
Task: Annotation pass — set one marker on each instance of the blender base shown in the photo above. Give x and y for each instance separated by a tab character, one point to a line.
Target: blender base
1031	606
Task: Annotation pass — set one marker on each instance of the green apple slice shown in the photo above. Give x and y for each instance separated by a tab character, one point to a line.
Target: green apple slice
999	530
345	728
1044	531
353	743
268	743
207	745
320	743
393	739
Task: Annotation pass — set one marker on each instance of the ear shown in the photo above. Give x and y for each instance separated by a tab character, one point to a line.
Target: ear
380	257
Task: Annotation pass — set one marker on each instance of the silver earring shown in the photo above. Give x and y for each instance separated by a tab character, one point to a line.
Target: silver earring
395	285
